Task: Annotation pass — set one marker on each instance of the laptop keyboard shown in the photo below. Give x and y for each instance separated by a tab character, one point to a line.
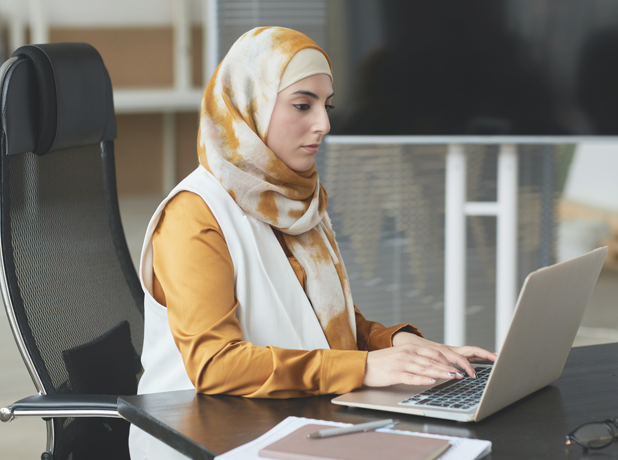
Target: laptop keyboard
454	394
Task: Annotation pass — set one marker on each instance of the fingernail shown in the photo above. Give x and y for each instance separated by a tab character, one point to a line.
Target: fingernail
452	374
474	375
432	380
460	374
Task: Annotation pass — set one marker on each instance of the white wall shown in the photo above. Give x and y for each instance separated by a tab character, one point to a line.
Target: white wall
102	13
593	176
592	181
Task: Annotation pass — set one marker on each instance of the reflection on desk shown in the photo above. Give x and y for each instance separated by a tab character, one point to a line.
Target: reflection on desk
203	426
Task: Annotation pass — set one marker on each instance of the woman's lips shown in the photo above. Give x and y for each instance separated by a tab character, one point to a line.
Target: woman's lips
312	148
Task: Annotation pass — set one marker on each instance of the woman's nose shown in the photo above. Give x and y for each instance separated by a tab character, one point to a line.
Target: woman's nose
322	122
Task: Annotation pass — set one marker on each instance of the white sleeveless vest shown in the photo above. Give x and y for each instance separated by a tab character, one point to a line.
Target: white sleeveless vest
272	308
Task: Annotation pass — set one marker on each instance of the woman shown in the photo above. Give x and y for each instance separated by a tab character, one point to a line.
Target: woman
246	292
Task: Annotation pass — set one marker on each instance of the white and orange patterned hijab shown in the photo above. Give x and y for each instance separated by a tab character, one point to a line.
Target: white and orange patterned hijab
235	113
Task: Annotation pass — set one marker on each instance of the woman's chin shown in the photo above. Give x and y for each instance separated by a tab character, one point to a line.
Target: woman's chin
302	164
303	167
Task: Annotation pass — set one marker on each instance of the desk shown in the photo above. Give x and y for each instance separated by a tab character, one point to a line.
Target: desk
533	428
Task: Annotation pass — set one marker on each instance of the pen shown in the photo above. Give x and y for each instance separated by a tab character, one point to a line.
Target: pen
352	429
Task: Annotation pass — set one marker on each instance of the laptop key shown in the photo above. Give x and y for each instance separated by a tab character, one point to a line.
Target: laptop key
445	385
457	394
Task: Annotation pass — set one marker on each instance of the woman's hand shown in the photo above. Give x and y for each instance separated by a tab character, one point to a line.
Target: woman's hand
416	361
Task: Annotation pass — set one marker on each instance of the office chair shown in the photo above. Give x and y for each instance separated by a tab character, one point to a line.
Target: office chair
70	290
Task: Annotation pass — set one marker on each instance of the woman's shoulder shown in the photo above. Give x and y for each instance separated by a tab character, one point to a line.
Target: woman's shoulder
188	210
185	200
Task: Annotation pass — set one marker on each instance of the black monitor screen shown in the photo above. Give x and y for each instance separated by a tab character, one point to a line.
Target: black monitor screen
481	67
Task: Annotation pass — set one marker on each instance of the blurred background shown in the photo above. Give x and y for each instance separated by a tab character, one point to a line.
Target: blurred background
540	74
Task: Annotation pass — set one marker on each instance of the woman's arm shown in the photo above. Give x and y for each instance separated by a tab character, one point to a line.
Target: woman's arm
195	281
414	360
462	356
372	336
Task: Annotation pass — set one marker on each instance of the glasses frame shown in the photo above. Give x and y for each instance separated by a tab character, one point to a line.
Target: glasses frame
610	423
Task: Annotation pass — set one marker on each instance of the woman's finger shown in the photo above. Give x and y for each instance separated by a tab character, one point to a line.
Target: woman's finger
461	361
410	352
429	368
434	354
476	360
412	379
475	353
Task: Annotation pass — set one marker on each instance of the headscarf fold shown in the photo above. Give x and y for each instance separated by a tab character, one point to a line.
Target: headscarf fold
235	114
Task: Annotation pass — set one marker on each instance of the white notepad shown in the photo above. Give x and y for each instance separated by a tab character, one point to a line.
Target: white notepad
461	448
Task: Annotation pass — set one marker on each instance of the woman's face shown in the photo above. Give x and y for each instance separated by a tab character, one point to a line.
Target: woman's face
300	120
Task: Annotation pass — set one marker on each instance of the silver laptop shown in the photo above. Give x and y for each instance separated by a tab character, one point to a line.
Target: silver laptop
549	310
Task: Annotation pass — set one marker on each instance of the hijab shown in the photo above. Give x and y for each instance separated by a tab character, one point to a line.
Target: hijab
234	118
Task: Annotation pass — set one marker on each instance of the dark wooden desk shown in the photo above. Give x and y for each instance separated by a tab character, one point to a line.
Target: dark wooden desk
533	428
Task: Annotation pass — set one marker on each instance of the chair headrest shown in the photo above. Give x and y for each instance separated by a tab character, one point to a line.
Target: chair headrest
56	96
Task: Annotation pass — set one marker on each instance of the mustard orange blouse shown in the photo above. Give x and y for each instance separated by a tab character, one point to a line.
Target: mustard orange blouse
194	279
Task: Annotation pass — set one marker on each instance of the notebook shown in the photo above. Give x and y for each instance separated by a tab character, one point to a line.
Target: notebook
462	448
547	316
371	445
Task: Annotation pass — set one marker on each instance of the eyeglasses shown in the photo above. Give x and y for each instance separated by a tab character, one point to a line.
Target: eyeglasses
595	435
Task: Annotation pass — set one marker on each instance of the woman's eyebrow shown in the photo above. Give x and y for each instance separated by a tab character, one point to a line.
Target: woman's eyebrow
310	94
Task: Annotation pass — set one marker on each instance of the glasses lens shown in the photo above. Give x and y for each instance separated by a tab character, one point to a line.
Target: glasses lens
595	435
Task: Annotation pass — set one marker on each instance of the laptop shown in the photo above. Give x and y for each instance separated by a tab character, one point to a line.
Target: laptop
549	310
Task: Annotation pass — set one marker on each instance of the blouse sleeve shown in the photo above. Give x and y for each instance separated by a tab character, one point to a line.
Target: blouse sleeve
372	336
194	279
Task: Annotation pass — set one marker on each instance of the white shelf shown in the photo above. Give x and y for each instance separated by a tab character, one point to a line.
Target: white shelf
157	100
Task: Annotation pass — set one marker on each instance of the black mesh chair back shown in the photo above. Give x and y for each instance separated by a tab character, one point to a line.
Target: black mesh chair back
70	288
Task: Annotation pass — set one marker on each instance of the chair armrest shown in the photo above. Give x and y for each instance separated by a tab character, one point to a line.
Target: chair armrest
50	406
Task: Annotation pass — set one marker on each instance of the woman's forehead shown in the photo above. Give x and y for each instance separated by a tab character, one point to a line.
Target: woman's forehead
319	85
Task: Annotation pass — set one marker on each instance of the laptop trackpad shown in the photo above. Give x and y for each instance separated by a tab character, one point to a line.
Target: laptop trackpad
389	397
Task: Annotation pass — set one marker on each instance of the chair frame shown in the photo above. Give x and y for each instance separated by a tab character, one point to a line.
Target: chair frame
51	406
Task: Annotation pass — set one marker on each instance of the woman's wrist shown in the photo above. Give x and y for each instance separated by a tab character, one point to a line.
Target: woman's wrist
403	337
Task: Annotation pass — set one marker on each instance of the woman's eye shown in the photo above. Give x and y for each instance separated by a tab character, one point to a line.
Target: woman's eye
329	107
302	107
